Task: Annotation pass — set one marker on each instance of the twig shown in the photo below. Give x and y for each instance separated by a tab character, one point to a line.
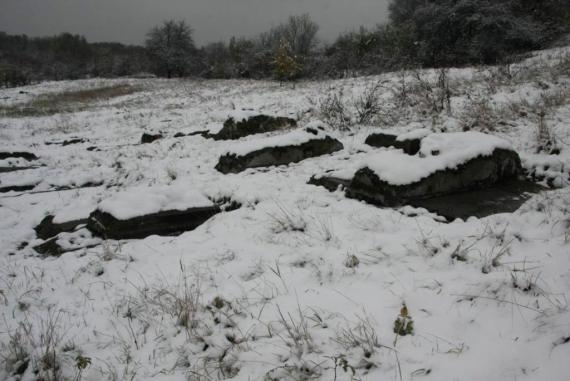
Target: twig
498	300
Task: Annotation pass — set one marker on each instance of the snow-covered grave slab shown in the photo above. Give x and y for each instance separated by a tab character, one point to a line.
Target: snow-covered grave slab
66	142
66	242
160	210
16	182
65	220
47	228
447	163
147	138
53	179
244	123
18	154
15	164
409	142
291	147
335	178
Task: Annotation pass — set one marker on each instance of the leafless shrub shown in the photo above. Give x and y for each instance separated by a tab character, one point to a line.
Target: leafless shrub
480	115
430	246
322	229
492	258
429	97
294	332
554	98
557	66
14	354
37	347
461	251
526	281
351	261
50	337
214	367
362	335
333	110
302	371
297	335
500	75
180	300
368	105
546	141
287	220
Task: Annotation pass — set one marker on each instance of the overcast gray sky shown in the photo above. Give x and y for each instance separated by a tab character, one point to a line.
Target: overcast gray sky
127	21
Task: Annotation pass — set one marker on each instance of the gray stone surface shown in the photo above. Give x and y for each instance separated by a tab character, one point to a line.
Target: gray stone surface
329	182
148	138
24	155
171	222
478	173
257	124
49	248
17	188
14	169
409	146
266	157
47	228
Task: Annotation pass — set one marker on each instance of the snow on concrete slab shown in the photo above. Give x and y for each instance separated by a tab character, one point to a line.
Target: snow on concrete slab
438	152
293	138
462	146
141	201
78	209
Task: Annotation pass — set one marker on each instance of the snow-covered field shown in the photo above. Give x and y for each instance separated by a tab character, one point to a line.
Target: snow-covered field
299	283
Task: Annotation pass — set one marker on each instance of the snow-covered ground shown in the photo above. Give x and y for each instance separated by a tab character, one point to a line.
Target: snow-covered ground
299	283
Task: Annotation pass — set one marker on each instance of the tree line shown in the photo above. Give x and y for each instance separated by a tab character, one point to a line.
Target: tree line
419	33
25	60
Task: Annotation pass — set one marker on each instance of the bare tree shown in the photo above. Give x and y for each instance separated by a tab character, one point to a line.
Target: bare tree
300	33
171	47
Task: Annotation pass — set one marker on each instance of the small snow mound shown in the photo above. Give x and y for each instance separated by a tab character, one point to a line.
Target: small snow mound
461	146
76	240
415	134
141	201
317	124
77	210
237	115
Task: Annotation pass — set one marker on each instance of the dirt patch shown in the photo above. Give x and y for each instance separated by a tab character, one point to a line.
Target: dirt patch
68	101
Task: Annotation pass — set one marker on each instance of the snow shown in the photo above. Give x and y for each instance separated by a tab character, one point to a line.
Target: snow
498	313
75	210
414	134
458	147
438	152
141	201
239	115
77	240
15	162
293	138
